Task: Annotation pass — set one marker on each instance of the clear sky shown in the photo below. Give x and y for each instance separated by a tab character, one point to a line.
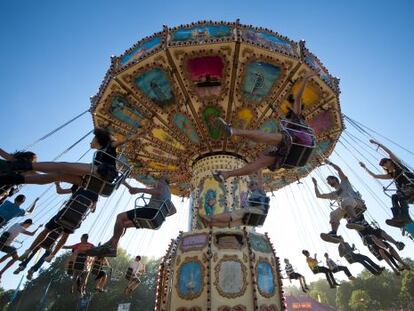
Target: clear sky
54	55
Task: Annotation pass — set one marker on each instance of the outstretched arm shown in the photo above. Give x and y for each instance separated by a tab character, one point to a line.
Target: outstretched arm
378	176
32	207
329	196
5	155
32	233
341	174
297	105
388	151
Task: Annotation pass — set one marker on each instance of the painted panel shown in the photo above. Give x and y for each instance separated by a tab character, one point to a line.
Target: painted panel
190	279
201	33
259	79
259	243
210	113
193	242
162	166
313	62
163	136
141	50
230	277
124	112
186	127
156	86
265	279
268	40
270	126
206	73
212	197
322	122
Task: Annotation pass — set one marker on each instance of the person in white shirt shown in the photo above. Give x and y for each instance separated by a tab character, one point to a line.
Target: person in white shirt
336	268
135	269
7	239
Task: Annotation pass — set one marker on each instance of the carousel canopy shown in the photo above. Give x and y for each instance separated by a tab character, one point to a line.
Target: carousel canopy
173	84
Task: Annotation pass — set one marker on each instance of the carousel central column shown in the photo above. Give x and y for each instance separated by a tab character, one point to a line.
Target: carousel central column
220	269
210	197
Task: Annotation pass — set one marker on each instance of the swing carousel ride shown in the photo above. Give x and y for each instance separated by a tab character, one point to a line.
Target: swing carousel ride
173	85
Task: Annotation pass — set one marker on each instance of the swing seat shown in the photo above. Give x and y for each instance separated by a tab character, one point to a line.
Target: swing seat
301	141
69	269
256	219
80	262
74	212
162	209
130	276
3	239
105	184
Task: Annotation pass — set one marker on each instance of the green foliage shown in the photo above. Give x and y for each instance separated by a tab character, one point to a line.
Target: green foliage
360	300
385	292
59	297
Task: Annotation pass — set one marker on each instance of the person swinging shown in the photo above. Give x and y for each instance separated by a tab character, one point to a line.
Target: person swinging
275	157
404	181
103	165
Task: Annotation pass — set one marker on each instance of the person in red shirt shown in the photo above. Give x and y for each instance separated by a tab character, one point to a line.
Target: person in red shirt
81	264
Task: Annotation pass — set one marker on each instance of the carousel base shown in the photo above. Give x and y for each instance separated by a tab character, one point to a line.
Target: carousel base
219	269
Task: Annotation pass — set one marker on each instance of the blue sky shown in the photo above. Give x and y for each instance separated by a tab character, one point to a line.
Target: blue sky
54	55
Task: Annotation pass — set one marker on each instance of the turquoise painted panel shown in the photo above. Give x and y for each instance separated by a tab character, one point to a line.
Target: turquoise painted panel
185	126
199	33
265	280
190	281
259	79
268	40
123	111
141	50
155	85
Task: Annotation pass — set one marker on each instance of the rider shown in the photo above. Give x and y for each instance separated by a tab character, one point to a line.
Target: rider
160	195
348	199
336	268
313	265
275	157
292	275
404	181
135	269
10	210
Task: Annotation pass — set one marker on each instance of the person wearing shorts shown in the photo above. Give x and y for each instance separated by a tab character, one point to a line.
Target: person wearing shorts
8	237
160	194
292	275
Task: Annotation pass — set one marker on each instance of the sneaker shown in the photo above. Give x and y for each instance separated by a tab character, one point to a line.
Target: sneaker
49	258
30	274
400	245
380	270
331	237
218	176
102	251
18	270
224	127
25	255
356	225
397	222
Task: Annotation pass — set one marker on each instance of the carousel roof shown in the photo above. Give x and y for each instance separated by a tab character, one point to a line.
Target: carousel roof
173	84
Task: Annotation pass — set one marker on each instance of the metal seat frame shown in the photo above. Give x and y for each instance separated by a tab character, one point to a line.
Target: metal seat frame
93	182
162	212
69	207
298	154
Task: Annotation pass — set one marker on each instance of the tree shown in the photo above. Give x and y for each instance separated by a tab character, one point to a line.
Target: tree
58	296
360	300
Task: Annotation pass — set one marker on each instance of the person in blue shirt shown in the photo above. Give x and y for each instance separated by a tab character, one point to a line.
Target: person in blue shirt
10	210
160	194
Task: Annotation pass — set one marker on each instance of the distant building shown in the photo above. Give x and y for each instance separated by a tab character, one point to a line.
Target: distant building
305	303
